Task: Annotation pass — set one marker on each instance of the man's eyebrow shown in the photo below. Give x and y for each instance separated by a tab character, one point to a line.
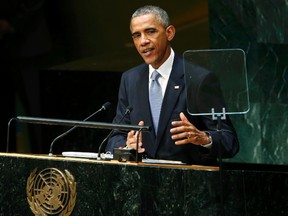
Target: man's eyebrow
150	28
145	30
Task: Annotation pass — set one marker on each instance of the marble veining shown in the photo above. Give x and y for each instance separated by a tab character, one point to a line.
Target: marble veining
123	189
260	29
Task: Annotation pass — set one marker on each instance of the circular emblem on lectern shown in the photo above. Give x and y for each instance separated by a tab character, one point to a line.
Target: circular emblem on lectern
51	192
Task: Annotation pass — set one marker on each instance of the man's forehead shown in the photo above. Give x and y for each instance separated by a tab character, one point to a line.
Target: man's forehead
140	23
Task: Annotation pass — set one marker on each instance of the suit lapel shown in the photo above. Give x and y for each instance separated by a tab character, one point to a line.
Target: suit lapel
174	87
144	104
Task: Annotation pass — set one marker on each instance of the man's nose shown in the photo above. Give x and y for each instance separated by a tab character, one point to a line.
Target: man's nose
144	39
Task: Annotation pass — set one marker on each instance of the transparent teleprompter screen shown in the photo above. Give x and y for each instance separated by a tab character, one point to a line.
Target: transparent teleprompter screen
216	81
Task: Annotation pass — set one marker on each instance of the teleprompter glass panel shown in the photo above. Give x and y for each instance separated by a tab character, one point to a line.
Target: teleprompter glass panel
216	81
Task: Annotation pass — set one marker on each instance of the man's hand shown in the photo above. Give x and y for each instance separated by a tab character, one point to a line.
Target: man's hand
184	132
132	139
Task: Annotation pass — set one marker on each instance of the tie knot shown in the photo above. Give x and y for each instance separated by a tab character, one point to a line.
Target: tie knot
155	75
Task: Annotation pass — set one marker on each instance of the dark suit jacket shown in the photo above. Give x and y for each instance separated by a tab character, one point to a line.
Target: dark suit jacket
134	92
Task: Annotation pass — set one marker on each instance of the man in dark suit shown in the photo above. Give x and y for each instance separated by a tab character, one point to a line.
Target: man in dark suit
178	135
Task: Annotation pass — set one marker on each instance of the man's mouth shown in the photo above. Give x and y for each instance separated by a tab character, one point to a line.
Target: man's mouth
147	51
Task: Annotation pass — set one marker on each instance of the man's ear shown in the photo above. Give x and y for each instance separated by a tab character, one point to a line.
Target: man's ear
170	32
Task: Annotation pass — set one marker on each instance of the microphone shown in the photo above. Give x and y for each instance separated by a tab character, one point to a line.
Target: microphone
127	111
105	106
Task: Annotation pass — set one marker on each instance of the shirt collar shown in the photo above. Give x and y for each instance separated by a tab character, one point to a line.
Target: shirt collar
166	68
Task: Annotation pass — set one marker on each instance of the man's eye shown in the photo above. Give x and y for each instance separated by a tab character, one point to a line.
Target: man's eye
151	31
135	36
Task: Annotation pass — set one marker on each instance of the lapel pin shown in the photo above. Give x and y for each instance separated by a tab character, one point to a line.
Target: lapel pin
176	87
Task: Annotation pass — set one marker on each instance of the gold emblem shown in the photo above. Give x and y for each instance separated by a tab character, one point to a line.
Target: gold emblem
51	192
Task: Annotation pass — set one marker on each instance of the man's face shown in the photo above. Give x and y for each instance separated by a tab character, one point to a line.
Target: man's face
151	39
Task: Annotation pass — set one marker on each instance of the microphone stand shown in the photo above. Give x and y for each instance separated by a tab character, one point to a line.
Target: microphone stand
101	144
127	111
137	146
105	106
219	117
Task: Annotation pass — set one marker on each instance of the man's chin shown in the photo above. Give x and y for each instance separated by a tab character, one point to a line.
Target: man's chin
148	60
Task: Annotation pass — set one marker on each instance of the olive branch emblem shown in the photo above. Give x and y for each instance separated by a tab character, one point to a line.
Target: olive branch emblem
51	192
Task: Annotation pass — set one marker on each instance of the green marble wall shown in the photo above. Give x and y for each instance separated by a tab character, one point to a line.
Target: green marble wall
260	29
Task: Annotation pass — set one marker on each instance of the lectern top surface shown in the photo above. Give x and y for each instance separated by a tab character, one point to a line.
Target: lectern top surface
115	162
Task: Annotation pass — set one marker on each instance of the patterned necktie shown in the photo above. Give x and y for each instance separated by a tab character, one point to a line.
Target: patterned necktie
155	95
